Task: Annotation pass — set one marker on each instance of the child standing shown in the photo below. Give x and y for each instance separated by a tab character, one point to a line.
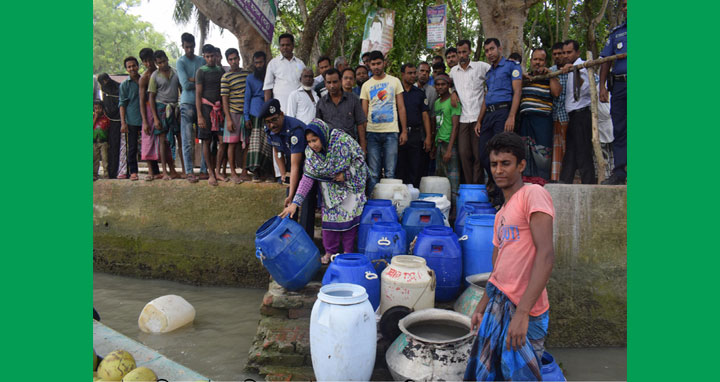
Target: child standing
100	141
447	118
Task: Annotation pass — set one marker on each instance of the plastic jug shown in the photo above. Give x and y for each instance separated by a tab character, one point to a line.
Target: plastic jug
354	268
440	248
407	281
385	240
419	215
165	314
375	210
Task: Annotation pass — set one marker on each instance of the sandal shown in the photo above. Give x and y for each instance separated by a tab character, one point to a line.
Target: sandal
325	260
134	176
191	178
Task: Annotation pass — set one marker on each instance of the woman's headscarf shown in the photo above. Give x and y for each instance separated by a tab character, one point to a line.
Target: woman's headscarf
340	154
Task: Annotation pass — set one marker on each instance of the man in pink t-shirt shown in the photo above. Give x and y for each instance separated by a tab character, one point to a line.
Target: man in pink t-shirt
512	316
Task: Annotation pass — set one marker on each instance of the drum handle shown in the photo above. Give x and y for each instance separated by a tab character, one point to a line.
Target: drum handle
432	288
463	237
259	254
332	258
384	241
370	276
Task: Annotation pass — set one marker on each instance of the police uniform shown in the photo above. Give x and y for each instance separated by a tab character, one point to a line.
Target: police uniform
412	160
617	44
291	140
498	101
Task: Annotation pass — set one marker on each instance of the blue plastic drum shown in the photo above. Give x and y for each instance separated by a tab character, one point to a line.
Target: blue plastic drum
439	246
354	268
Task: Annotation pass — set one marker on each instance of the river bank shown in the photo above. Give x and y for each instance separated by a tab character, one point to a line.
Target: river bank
217	343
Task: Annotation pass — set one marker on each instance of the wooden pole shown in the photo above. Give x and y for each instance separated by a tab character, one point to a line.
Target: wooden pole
597	149
586	64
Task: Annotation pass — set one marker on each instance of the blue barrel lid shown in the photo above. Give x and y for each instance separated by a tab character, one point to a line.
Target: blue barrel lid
437	230
422	204
379	202
430	195
481	219
473	186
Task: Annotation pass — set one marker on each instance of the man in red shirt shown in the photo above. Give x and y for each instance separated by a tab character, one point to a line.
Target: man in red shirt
512	316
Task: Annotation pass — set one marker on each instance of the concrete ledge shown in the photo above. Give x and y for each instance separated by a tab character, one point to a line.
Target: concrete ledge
106	340
588	287
180	231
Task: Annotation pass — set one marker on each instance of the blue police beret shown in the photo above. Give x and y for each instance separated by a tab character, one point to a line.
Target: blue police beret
270	108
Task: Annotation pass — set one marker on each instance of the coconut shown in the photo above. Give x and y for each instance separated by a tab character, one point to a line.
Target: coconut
115	365
140	374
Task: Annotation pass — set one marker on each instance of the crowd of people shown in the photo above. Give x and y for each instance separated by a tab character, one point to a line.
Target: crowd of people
332	136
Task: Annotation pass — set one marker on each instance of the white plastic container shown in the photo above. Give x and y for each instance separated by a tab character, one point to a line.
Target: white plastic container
436	184
343	334
443	204
395	191
165	314
407	281
435	345
414	192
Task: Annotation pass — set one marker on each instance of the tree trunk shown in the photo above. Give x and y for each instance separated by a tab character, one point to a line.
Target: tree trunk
338	33
566	21
231	18
315	20
504	20
594	21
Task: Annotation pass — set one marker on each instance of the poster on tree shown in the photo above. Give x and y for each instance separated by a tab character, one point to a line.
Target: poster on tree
379	27
436	26
261	15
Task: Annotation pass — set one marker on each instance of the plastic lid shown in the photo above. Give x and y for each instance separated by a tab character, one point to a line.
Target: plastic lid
408	261
352	259
380	202
342	294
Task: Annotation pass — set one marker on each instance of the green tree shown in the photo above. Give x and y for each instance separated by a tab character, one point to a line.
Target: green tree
118	34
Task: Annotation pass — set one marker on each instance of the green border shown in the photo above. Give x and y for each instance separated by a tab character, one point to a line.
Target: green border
673	266
47	230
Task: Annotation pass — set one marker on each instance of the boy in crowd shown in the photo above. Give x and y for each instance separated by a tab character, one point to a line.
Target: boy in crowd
447	119
512	317
259	158
187	66
100	142
163	90
232	91
148	146
131	120
208	102
383	104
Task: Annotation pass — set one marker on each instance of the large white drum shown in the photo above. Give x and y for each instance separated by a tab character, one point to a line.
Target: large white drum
343	334
165	314
395	191
436	184
407	281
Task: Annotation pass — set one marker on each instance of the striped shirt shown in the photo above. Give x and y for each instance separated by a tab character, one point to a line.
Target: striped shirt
232	85
558	110
536	98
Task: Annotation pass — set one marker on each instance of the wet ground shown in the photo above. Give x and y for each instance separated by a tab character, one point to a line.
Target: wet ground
217	343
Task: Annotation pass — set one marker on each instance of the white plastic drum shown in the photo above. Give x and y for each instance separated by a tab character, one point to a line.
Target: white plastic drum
395	191
408	282
343	334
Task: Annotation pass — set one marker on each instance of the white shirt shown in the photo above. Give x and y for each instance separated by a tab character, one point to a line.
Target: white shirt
584	99
470	87
317	80
300	106
605	125
282	77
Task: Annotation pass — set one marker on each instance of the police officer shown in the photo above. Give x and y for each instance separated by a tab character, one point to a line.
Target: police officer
497	113
617	44
286	135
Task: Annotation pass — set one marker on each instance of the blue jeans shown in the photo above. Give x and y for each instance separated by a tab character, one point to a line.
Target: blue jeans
188	116
382	152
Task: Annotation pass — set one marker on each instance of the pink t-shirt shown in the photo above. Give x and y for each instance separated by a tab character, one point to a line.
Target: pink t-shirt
516	249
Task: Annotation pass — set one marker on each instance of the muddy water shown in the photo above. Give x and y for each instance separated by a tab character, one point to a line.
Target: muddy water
216	345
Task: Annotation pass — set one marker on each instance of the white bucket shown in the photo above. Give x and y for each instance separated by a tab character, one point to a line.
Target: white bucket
395	191
436	184
435	345
343	334
407	281
165	314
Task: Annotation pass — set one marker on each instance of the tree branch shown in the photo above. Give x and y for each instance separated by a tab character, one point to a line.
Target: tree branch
314	22
600	15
